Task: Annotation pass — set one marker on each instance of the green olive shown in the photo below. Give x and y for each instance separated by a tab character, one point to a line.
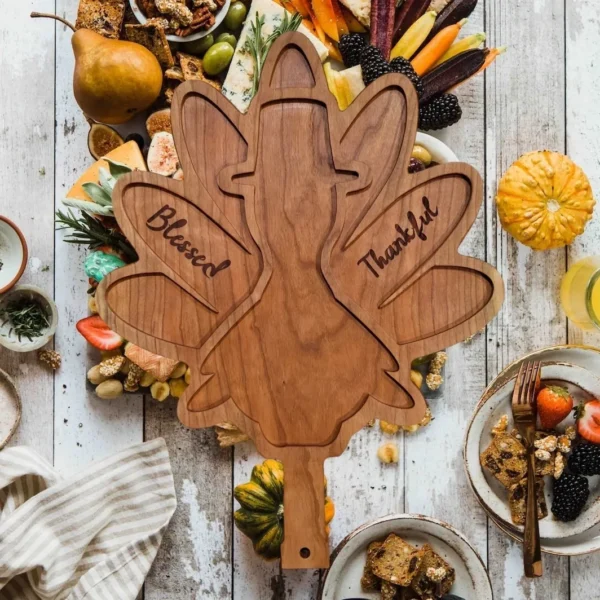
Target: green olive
199	47
217	58
227	37
235	16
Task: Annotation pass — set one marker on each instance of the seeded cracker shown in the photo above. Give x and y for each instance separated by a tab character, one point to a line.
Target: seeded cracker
397	561
154	38
102	16
192	69
505	459
433	570
369	581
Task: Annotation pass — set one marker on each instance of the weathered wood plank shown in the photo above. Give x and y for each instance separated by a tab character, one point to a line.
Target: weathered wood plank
583	146
447	494
86	428
194	560
525	111
27	174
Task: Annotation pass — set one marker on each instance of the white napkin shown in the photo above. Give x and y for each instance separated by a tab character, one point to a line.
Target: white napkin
92	536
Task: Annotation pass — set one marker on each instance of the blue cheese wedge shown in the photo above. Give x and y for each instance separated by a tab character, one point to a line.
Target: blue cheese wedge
361	9
238	82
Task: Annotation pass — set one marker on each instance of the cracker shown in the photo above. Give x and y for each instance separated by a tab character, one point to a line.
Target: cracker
396	561
154	38
505	459
369	581
423	584
388	590
192	69
102	16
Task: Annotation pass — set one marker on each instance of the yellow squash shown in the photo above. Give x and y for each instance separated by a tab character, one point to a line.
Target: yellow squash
544	200
261	514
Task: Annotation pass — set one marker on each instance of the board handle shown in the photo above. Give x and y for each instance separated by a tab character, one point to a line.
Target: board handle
305	544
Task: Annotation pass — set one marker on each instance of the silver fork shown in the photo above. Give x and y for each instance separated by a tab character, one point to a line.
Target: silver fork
524	411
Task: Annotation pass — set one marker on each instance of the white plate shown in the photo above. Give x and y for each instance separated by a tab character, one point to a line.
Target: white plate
587	357
342	580
583	385
141	17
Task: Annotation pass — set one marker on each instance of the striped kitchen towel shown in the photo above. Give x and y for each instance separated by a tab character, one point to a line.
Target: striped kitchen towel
92	536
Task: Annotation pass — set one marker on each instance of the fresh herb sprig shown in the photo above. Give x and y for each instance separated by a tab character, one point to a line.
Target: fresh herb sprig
259	47
92	232
27	318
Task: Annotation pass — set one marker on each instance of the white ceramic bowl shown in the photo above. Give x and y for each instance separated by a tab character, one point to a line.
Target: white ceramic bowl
440	153
13	254
342	580
11	341
139	15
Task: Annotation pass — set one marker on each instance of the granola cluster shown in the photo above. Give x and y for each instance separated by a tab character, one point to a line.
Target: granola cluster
181	17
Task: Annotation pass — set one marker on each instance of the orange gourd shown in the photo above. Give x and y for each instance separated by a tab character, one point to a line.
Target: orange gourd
544	200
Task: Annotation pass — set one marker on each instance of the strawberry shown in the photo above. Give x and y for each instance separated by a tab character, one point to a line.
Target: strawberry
98	333
554	404
588	421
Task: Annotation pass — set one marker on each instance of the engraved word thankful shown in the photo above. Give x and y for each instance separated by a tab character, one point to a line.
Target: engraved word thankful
415	230
161	221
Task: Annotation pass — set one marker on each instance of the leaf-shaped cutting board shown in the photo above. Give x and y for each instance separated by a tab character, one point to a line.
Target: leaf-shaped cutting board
299	268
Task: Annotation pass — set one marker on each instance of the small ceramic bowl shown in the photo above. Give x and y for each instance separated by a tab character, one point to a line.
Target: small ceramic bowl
10	408
141	17
9	339
440	153
13	254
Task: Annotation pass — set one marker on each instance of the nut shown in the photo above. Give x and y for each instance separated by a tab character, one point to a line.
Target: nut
177	387
416	378
564	444
438	362
95	377
147	379
501	426
132	382
160	391
543	455
188	376
111	353
389	428
571	432
50	358
388	453
548	443
434	381
559	465
109	389
179	371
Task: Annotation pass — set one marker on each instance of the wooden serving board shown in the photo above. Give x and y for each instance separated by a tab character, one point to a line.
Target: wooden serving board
299	268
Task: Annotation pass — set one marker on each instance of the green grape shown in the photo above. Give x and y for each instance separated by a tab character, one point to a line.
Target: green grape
199	47
217	58
235	16
227	37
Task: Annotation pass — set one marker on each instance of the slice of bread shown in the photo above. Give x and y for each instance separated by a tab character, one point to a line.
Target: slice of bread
505	459
369	581
396	561
102	16
153	37
434	574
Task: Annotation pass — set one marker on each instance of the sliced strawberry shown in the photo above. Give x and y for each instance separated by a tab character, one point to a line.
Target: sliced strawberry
98	333
588	421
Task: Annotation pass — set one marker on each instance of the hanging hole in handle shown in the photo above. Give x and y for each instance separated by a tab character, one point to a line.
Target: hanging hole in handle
305	553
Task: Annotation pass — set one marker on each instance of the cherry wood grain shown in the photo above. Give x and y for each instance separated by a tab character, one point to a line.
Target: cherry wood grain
298	268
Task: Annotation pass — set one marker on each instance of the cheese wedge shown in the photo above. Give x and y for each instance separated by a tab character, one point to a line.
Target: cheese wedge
238	81
361	9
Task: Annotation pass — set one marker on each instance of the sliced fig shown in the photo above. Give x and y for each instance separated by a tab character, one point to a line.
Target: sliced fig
103	139
178	175
159	121
162	156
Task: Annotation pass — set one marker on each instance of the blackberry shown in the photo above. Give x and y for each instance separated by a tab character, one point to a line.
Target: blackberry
570	495
373	64
403	66
351	45
440	112
585	460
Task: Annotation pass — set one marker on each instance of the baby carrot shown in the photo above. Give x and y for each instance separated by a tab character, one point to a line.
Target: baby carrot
416	34
489	59
436	48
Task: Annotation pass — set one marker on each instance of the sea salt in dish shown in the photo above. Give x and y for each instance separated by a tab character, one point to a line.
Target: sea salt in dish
13	254
10	409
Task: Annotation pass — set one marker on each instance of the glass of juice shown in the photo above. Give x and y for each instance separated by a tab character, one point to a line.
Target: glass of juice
580	293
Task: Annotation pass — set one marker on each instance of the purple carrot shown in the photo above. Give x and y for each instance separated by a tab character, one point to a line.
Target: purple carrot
382	25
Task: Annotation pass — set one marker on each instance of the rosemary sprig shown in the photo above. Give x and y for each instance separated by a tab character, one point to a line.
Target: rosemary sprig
90	231
259	47
26	317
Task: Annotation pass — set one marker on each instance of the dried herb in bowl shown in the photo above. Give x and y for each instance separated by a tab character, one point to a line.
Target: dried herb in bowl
27	318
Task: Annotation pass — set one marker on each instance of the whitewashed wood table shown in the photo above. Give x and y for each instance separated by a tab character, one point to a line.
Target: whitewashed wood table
544	93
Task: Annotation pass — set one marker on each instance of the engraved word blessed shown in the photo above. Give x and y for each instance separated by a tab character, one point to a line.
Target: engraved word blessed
406	235
162	221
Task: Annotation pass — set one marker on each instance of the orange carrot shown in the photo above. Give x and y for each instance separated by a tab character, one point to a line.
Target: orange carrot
489	59
300	7
340	22
436	48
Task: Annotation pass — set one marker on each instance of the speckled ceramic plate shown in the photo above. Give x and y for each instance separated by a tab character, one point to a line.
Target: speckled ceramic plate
587	357
342	580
